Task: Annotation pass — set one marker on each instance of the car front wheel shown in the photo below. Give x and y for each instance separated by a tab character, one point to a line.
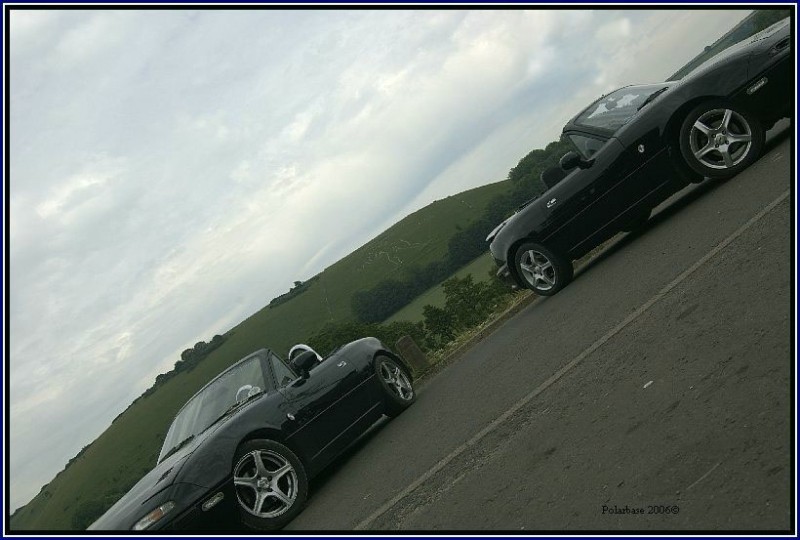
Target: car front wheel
719	140
271	484
542	270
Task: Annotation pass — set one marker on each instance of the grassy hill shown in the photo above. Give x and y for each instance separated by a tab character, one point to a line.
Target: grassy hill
129	447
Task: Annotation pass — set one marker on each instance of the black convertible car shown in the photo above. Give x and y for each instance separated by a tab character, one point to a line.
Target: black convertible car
244	447
636	146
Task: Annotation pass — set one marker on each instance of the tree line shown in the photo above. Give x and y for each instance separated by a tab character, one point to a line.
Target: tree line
467	304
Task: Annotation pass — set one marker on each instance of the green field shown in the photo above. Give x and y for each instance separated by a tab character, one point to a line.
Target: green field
479	268
129	447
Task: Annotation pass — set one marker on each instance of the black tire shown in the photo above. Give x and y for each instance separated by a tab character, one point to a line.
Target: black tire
398	389
707	144
542	270
292	484
639	220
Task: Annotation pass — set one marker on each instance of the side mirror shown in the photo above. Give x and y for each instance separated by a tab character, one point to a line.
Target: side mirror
552	176
570	160
304	362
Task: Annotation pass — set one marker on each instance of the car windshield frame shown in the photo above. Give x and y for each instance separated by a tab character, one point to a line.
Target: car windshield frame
633	98
195	416
570	137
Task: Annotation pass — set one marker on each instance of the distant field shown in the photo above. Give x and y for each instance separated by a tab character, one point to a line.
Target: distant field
129	447
479	268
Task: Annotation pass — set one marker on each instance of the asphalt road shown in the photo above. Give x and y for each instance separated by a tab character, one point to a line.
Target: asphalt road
659	380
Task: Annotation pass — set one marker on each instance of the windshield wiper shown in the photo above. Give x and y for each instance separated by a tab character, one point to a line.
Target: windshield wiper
235	406
651	97
177	447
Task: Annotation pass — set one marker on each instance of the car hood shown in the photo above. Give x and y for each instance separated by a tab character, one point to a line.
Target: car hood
746	47
134	504
510	229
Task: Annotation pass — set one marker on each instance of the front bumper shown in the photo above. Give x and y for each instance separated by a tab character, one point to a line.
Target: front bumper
504	274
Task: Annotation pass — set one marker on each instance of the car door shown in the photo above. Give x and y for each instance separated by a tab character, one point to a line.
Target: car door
578	206
321	406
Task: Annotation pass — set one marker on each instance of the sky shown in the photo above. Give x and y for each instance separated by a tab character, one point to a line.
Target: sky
171	171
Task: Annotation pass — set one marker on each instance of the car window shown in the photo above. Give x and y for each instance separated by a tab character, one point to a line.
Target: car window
613	111
283	374
586	146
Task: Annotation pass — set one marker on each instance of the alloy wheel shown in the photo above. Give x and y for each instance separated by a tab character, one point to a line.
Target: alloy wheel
720	138
266	483
397	381
538	270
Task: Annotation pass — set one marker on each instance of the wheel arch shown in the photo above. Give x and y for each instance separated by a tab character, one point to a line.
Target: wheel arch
511	257
271	434
673	126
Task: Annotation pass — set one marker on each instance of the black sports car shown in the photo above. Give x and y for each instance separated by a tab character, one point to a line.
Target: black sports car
636	146
245	446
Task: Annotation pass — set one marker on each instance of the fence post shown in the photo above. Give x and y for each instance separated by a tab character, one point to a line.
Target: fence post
412	354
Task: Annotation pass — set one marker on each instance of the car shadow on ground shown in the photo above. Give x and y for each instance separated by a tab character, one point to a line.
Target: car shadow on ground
690	195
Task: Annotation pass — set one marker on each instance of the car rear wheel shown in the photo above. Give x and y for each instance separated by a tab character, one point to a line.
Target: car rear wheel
398	390
542	270
720	140
270	483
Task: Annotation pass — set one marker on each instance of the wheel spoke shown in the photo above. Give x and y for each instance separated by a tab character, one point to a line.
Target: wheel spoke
281	472
281	496
261	470
726	157
529	273
547	280
259	502
702	128
243	481
386	374
733	138
726	118
705	150
546	266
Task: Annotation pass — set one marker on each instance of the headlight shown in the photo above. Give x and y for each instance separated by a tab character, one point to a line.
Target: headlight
154	516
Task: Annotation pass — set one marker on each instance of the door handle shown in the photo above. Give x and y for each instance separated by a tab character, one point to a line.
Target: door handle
341	364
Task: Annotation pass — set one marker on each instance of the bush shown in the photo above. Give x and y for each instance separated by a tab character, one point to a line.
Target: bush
336	334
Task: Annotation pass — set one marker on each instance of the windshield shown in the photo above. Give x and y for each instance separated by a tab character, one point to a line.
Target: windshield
232	387
613	111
